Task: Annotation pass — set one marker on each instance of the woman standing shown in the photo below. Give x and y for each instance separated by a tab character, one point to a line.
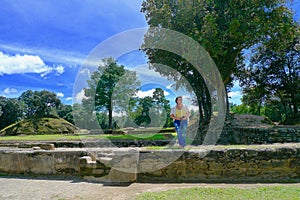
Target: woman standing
180	114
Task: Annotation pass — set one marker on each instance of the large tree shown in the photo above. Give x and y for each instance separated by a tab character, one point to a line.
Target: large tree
163	107
10	111
225	28
275	77
151	110
65	112
144	106
40	103
110	88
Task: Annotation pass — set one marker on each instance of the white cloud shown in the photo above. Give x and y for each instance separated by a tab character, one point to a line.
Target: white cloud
68	99
235	97
21	64
85	72
60	69
235	94
166	93
52	55
142	94
169	86
80	96
45	73
60	94
10	91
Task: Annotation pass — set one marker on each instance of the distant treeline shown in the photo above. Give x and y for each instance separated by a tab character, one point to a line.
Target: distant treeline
39	104
33	105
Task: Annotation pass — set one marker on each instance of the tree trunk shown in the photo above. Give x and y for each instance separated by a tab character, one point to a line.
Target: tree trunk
284	107
259	107
200	111
110	117
227	102
206	109
295	106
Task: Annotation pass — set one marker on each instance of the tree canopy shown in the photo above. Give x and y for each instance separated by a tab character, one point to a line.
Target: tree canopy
32	105
272	79
109	88
224	28
40	103
152	111
10	111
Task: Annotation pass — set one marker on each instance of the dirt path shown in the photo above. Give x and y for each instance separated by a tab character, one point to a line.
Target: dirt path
27	189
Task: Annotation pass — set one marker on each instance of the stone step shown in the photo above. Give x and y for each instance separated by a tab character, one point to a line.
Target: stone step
105	160
104	154
86	160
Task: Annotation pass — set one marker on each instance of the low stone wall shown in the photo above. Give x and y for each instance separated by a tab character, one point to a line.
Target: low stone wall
41	162
102	143
269	164
260	135
262	163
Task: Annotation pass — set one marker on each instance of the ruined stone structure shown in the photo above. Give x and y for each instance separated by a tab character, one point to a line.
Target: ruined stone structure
261	163
260	135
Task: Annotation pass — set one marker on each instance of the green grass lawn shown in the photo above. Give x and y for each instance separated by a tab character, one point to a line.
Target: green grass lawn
265	193
77	137
39	137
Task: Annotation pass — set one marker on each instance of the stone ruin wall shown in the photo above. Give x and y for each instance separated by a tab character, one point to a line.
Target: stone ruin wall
265	163
232	165
260	135
251	129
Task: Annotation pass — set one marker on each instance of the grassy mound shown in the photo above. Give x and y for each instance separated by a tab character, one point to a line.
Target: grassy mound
40	126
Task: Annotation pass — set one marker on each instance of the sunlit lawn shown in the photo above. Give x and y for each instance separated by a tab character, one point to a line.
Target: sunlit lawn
265	193
82	136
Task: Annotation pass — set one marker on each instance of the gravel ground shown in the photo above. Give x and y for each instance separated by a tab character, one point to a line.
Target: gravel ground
24	188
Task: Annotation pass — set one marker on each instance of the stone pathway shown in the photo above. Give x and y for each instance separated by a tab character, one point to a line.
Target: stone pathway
20	188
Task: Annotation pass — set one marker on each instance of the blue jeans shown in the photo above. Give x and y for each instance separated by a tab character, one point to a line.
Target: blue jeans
180	127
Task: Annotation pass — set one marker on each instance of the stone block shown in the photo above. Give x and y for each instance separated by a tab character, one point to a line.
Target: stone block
47	146
113	177
36	148
85	159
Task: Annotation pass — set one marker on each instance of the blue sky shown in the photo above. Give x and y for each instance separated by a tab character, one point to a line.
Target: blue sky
44	42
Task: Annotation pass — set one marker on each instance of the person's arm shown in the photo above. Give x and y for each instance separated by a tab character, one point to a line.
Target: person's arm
187	112
172	115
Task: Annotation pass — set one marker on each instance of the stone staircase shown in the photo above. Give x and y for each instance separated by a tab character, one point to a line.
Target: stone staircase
110	165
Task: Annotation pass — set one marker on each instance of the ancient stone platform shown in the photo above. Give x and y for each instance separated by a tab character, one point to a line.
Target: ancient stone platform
248	163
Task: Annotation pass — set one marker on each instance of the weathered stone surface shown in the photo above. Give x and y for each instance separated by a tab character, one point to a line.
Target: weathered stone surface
259	134
266	163
114	176
57	162
101	143
273	164
47	146
150	160
89	166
